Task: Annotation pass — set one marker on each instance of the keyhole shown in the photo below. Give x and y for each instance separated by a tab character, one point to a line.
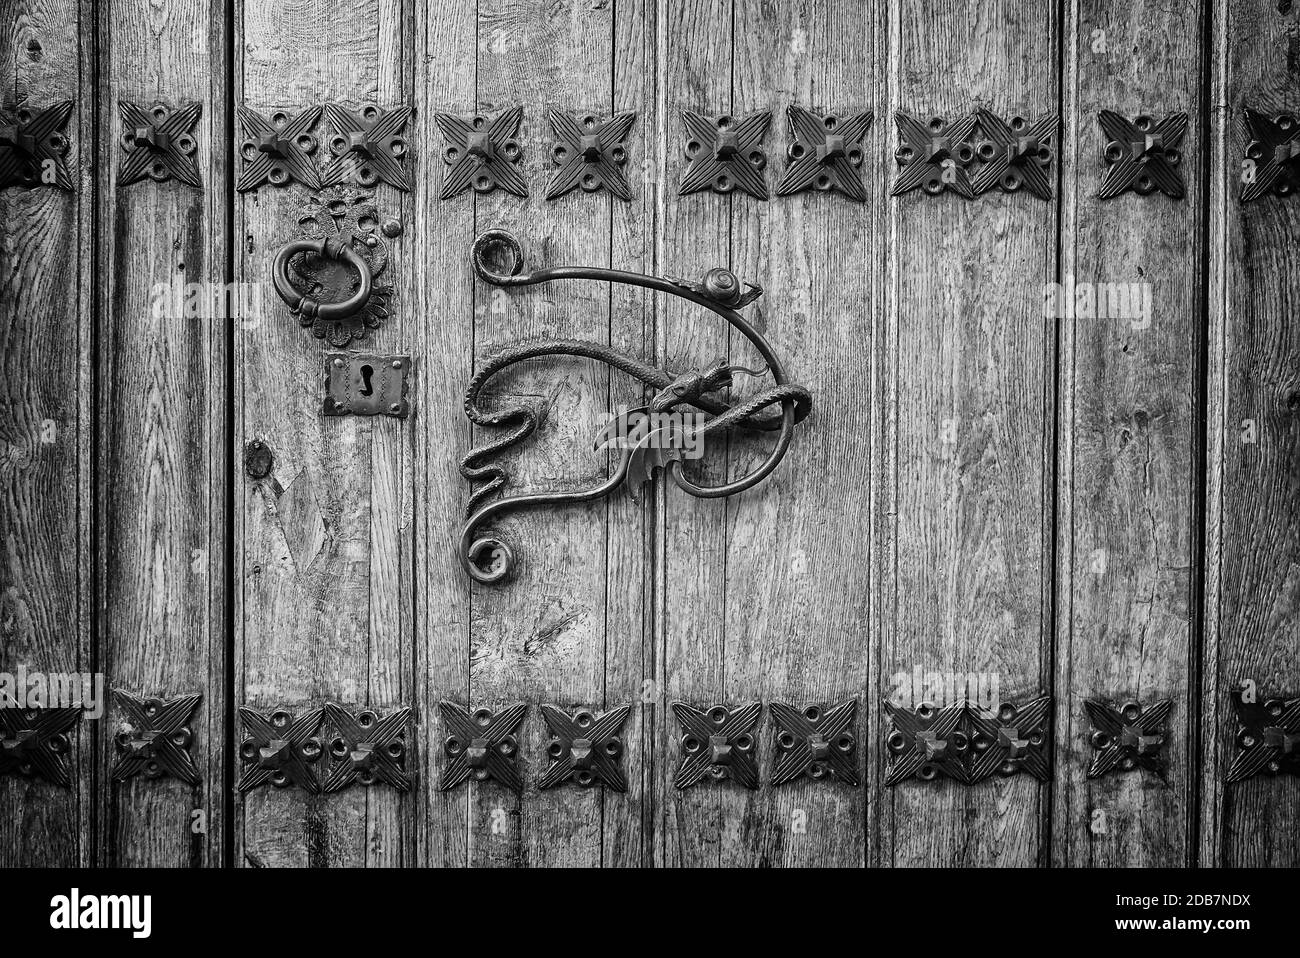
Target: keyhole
366	373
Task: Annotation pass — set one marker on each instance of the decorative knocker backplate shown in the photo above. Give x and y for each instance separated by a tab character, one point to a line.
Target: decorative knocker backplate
328	277
651	437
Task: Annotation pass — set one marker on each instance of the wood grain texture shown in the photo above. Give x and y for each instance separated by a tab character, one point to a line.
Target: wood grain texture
46	250
540	637
1252	606
1129	462
796	577
443	302
967	399
162	438
628	820
694	73
326	545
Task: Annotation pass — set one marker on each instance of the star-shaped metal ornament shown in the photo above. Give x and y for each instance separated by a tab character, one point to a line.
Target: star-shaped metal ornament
366	748
718	743
155	739
1143	154
159	143
590	153
1128	737
280	749
278	149
33	147
585	748
934	155
1272	154
1010	740
1014	154
724	154
825	153
816	741
368	146
926	742
482	745
1268	736
34	742
482	154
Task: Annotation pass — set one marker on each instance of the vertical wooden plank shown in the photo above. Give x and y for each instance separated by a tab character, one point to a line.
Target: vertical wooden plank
443	303
46	251
324	556
162	434
1129	454
694	72
628	822
968	405
796	567
539	637
1252	610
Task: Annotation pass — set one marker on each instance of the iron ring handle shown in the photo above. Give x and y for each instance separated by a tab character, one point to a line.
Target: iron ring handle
330	248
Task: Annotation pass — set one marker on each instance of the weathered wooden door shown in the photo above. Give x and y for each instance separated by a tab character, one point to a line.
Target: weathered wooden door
990	501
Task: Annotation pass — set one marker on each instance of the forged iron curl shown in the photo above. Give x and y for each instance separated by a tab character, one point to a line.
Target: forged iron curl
720	292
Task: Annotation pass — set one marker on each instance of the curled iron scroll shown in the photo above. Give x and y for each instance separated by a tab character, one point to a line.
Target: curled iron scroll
720	292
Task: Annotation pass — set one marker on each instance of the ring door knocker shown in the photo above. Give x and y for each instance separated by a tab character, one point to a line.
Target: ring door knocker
328	278
654	445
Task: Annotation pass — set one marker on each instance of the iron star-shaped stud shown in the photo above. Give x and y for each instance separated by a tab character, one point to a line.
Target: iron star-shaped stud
1268	736
1015	154
1012	739
34	742
717	743
278	149
816	741
482	745
368	146
585	748
934	155
590	153
280	749
1273	154
1127	738
155	739
159	143
825	153
1143	154
482	154
33	147
925	742
724	154
366	748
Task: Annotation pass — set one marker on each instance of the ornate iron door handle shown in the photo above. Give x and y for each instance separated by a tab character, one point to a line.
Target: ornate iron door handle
330	248
719	291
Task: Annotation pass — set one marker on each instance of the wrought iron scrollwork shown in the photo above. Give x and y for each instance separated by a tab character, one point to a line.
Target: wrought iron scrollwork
489	559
